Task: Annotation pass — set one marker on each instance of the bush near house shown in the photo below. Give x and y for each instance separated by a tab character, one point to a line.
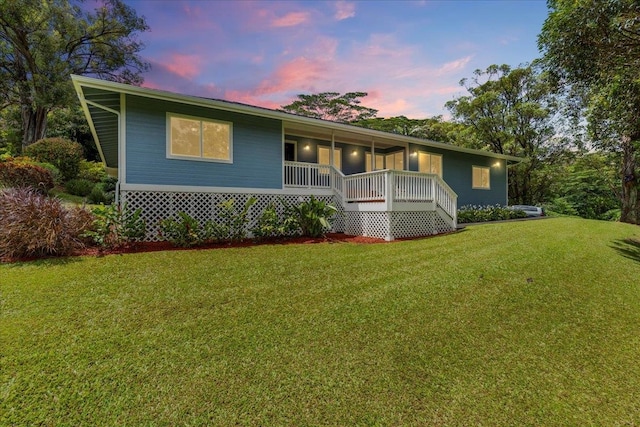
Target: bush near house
19	172
473	213
62	153
79	187
32	224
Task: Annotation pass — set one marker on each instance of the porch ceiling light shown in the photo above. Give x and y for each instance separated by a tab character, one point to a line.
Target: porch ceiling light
497	164
354	152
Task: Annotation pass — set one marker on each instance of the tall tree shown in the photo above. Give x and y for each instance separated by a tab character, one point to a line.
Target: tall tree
331	106
43	42
509	111
593	48
433	128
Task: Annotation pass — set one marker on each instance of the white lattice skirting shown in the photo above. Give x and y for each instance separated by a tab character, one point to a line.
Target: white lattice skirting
203	206
395	225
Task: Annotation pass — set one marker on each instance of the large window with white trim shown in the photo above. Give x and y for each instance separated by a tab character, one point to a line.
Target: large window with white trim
430	163
480	178
379	162
199	139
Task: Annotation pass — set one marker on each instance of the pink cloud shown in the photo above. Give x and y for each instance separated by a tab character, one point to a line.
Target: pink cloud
291	19
344	10
187	66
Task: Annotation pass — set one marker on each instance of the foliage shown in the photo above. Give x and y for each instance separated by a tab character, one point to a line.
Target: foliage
115	226
509	111
505	324
272	224
331	106
99	196
313	217
473	213
186	231
79	187
592	48
22	173
93	171
62	153
43	42
70	123
34	225
434	128
234	222
561	206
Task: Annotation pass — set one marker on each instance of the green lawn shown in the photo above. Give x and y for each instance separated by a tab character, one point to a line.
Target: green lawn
521	323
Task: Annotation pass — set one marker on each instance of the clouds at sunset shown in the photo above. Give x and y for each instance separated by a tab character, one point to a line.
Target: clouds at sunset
408	56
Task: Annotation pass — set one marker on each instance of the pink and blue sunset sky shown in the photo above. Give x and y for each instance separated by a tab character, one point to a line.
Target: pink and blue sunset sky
409	56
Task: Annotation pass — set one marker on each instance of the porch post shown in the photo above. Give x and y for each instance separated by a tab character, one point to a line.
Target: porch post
331	166
373	155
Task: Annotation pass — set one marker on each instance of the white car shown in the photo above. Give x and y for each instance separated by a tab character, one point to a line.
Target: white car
529	210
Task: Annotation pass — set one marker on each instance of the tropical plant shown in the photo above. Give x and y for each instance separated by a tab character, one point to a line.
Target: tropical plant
272	224
313	217
233	221
32	224
115	226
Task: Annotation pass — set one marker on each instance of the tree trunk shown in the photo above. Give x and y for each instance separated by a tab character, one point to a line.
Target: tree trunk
34	124
629	196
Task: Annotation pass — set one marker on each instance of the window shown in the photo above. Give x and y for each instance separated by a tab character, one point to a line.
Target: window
430	163
480	177
198	139
290	151
325	152
395	160
379	162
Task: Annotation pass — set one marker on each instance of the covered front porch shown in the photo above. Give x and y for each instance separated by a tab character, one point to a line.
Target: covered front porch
386	203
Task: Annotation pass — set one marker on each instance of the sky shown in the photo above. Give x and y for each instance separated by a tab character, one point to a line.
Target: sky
409	56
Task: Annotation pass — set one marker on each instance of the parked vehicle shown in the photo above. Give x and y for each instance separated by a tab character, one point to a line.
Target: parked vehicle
529	210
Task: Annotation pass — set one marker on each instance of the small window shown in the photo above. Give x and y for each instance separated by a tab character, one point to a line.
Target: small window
379	162
325	152
198	139
481	178
430	163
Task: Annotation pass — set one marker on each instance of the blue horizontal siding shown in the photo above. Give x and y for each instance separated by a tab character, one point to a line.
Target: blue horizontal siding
257	148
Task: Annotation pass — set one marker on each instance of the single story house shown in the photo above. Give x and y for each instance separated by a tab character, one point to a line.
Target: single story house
173	152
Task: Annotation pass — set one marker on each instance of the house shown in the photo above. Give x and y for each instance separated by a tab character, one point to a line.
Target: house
173	152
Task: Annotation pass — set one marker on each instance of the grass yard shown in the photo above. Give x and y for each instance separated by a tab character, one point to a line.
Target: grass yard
522	323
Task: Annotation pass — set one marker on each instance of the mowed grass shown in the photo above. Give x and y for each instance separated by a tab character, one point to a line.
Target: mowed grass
522	323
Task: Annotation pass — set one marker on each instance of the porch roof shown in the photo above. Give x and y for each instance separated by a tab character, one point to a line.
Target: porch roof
102	111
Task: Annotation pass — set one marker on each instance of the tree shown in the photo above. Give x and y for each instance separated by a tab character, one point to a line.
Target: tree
509	111
43	42
434	128
592	48
331	106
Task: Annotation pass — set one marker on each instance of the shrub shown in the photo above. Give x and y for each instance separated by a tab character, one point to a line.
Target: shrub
313	217
55	173
18	173
115	227
98	195
62	153
271	224
185	231
472	213
79	187
92	171
234	222
32	224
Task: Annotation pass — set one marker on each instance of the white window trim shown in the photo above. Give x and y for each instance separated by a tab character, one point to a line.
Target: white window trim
432	155
337	151
395	153
488	169
194	158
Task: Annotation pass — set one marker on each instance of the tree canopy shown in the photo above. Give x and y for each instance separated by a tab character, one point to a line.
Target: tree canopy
509	111
592	48
331	106
43	42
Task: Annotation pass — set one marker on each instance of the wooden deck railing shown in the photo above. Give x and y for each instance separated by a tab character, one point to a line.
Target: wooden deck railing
389	186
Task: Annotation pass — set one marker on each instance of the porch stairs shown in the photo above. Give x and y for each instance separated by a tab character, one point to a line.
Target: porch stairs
387	204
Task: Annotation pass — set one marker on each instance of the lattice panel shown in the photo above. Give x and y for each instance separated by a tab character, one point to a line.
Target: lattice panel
158	205
395	225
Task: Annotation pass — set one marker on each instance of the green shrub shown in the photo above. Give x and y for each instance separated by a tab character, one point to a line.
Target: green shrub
32	224
62	153
184	231
115	227
271	224
19	173
561	205
79	187
55	173
92	171
98	195
313	217
234	222
473	213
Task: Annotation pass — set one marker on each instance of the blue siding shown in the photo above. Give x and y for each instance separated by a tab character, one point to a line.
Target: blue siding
457	172
257	149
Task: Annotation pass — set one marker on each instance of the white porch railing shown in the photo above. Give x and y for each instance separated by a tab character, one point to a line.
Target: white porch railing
388	186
